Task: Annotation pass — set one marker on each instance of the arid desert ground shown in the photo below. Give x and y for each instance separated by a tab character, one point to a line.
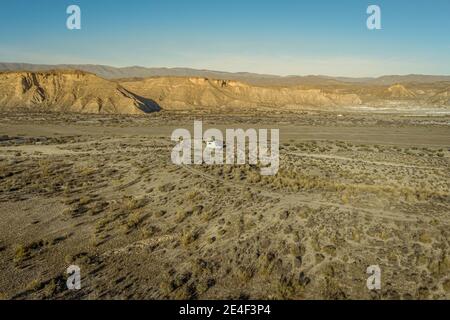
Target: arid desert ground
354	189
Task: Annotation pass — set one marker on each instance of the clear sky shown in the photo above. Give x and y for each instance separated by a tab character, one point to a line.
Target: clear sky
265	36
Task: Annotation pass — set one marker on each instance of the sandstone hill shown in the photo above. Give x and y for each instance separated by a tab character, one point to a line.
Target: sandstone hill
68	91
442	97
184	93
399	91
82	92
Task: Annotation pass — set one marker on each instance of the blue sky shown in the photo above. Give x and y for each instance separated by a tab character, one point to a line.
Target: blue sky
277	36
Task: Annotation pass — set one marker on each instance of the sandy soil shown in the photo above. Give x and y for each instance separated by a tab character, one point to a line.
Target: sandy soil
101	192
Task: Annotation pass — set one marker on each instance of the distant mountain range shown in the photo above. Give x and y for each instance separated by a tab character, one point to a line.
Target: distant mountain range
137	72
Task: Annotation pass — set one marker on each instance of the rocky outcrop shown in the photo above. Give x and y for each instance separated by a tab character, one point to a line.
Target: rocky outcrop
398	91
68	91
441	98
184	93
76	91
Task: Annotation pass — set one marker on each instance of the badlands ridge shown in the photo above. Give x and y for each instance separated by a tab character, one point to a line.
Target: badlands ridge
83	92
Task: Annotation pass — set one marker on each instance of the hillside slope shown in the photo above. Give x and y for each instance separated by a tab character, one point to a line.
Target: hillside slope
184	93
78	91
68	91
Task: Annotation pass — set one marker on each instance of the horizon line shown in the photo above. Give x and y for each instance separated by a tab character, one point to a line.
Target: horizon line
222	71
